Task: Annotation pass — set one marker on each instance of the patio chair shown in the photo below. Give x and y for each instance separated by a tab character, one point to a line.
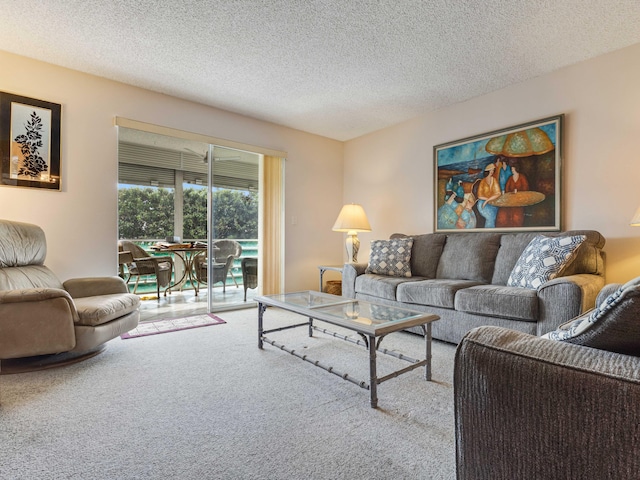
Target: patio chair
226	252
249	267
142	263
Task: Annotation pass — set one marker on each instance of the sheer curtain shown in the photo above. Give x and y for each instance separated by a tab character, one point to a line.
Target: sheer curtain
271	270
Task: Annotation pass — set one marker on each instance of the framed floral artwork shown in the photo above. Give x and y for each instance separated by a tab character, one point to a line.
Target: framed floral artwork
505	180
29	142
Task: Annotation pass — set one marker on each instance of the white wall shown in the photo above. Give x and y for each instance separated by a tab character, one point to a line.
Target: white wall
81	221
391	171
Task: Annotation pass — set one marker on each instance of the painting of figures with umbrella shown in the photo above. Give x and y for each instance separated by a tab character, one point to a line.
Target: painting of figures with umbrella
507	180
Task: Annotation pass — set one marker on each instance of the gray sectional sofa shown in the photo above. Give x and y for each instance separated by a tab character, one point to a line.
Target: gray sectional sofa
462	277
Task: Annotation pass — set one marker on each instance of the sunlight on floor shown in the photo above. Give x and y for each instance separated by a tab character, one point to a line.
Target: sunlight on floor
185	303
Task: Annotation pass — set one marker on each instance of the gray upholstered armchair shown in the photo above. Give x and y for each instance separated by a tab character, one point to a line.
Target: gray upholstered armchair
534	408
40	315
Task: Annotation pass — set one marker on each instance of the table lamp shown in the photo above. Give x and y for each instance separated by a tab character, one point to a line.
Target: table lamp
352	220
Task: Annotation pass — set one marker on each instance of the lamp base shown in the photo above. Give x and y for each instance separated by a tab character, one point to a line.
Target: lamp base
353	245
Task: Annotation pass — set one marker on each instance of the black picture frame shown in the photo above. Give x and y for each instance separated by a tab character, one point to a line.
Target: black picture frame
29	142
465	199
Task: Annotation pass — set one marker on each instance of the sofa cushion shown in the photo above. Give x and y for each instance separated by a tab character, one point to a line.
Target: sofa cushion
28	276
391	257
589	257
21	244
381	286
432	292
499	301
511	247
101	309
469	256
613	325
543	260
425	253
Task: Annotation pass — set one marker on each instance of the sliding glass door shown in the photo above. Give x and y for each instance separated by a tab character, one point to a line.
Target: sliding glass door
233	221
200	204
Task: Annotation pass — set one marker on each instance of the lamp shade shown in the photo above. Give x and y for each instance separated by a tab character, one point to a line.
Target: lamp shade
635	221
352	219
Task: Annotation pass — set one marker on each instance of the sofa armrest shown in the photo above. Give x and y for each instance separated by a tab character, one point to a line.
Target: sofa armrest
564	298
92	286
24	295
527	407
350	272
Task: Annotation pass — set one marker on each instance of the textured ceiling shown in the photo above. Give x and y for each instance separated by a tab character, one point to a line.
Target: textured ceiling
338	68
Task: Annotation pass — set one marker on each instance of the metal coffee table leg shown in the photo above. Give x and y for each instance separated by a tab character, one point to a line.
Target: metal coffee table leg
261	310
429	344
426	330
373	375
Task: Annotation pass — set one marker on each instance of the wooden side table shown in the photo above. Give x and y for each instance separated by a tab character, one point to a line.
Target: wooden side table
324	268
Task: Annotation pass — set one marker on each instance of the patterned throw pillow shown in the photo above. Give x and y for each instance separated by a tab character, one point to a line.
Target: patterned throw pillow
573	327
391	257
608	307
543	260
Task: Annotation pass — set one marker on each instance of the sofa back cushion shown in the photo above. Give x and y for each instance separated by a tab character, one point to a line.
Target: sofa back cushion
589	258
469	256
23	248
30	276
425	253
21	244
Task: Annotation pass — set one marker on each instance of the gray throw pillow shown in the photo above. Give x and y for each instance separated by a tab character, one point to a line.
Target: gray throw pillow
391	257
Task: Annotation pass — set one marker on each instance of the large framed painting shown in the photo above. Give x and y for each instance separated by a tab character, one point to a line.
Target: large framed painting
29	142
506	180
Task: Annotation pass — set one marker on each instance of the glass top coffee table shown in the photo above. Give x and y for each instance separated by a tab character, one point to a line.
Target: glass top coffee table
371	321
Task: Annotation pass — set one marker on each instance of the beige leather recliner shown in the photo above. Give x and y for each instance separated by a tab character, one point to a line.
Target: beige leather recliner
40	315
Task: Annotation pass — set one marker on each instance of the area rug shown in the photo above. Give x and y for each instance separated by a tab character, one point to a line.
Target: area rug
172	325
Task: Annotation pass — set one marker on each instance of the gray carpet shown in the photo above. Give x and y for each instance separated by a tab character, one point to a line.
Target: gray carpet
208	404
